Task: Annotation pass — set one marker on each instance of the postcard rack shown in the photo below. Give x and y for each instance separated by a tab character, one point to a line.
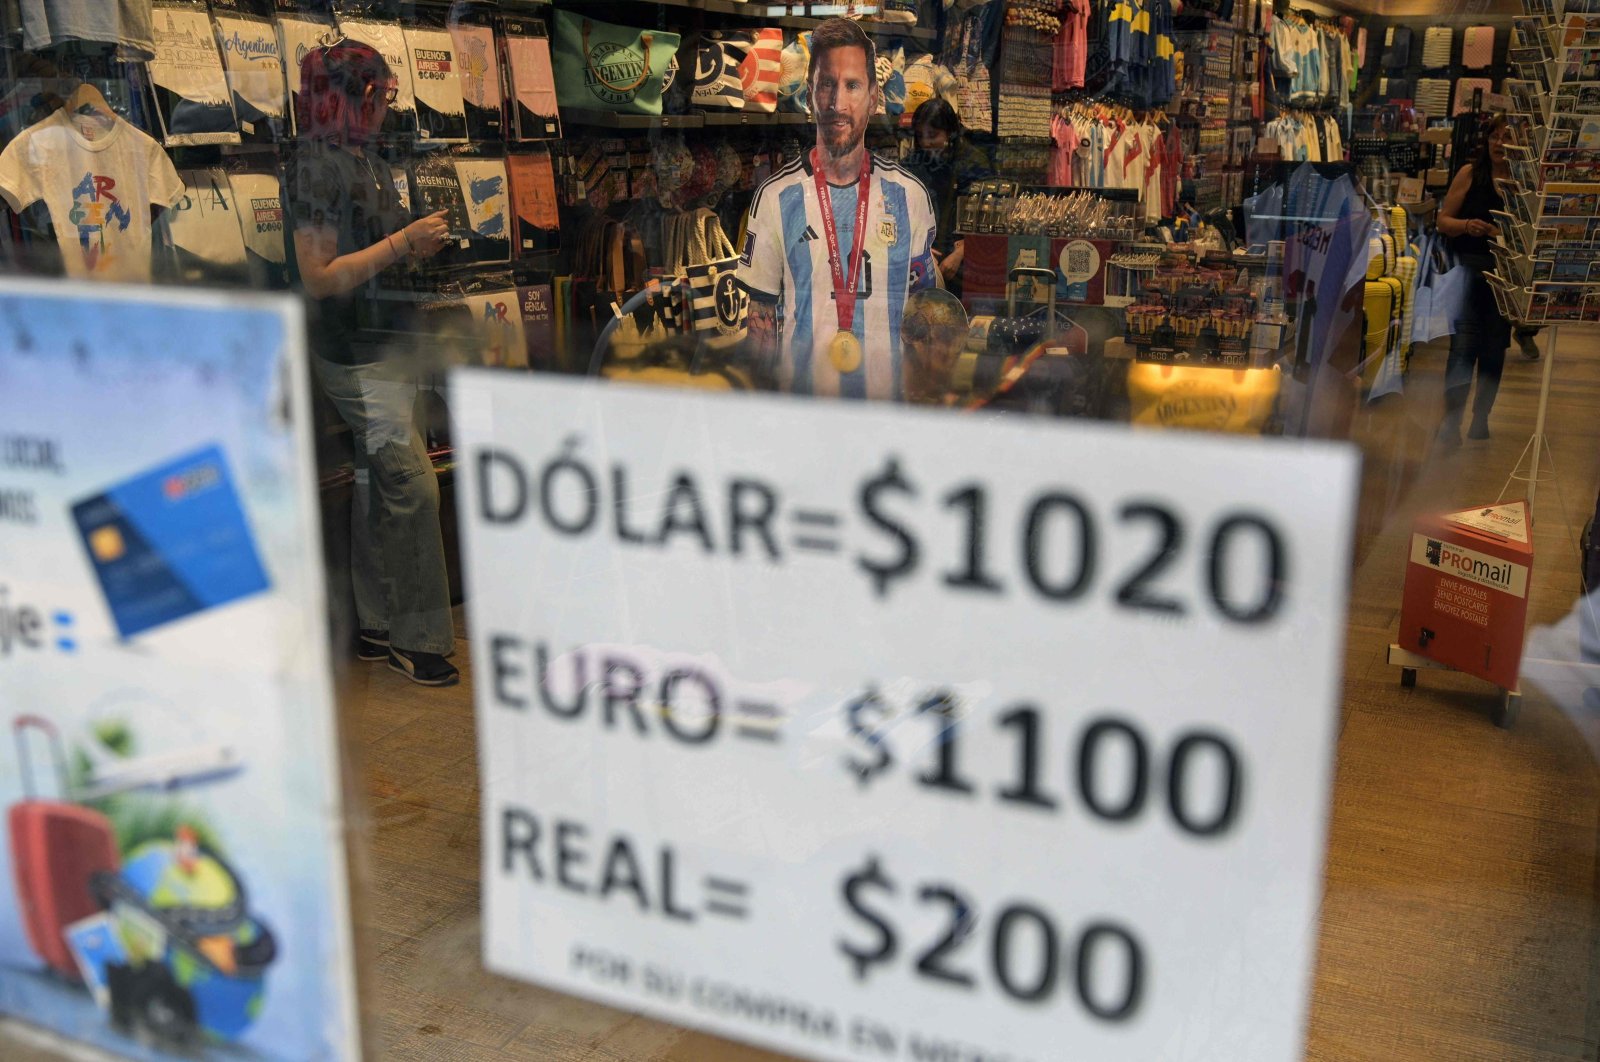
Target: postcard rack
1547	260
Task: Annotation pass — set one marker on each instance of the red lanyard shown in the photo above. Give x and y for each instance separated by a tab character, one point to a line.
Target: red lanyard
844	287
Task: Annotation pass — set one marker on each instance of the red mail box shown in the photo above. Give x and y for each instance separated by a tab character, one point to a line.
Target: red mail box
1466	595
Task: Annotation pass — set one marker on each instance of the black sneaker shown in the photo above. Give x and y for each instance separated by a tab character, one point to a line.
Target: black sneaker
425	669
372	646
1479	429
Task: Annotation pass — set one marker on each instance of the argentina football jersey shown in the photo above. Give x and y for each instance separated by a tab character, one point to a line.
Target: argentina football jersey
785	260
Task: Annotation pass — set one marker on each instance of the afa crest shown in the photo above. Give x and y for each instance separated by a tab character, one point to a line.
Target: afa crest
887	231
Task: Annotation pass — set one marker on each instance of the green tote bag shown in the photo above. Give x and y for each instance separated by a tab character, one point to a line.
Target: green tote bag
603	67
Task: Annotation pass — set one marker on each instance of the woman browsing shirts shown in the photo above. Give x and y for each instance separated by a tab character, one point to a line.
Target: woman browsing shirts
348	235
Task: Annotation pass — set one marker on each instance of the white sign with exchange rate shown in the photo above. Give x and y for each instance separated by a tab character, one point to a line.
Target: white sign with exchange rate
868	733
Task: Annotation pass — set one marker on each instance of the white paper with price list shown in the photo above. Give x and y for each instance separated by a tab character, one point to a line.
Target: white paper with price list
698	865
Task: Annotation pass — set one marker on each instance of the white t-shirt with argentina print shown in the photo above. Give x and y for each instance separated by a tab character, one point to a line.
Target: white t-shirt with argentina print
98	187
785	258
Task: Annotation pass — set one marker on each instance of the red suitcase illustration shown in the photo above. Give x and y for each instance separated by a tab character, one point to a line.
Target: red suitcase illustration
56	848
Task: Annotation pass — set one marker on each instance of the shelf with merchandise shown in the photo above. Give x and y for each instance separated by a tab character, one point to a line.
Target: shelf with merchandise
802	16
614	120
876	29
735	119
1548	229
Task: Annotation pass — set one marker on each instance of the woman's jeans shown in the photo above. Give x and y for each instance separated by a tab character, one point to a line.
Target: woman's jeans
1480	341
396	545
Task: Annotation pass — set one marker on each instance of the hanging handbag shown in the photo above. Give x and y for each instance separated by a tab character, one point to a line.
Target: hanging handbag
919	84
1442	286
793	93
717	304
675	241
599	278
902	12
601	66
639	323
717	84
761	69
892	82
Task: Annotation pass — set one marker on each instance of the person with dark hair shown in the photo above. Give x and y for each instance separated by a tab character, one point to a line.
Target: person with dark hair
840	237
1481	333
347	239
947	164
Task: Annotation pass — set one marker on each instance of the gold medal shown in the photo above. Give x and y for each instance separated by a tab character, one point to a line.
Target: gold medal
845	352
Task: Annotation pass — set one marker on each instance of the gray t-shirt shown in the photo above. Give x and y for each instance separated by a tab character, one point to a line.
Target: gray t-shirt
356	197
124	22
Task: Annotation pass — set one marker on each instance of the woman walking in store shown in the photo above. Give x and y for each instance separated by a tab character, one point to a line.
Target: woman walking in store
347	236
1481	333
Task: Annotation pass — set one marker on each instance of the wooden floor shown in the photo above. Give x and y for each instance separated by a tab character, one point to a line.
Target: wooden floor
1460	914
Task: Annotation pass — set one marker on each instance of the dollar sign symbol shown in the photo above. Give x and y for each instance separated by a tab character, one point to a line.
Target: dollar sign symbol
869	704
872	492
864	959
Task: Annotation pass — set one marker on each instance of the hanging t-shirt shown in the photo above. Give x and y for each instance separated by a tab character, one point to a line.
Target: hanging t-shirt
390	42
1064	138
193	97
533	80
351	195
434	188
253	59
478	69
497	316
1073	42
1134	158
98	187
1263	214
538	324
533	198
122	22
1325	253
259	197
488	202
402	186
204	226
441	107
474	196
296	37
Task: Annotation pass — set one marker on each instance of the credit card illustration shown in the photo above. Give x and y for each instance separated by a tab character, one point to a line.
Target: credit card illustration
170	542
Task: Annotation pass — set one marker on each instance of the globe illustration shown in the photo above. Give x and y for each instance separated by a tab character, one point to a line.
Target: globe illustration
196	959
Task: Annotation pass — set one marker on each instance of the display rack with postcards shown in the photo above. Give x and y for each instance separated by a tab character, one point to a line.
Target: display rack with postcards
1545	269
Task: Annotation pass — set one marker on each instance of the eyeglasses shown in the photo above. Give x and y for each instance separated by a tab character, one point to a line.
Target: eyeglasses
390	92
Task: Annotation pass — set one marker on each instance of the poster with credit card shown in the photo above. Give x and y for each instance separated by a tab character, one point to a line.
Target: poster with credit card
170	542
172	865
